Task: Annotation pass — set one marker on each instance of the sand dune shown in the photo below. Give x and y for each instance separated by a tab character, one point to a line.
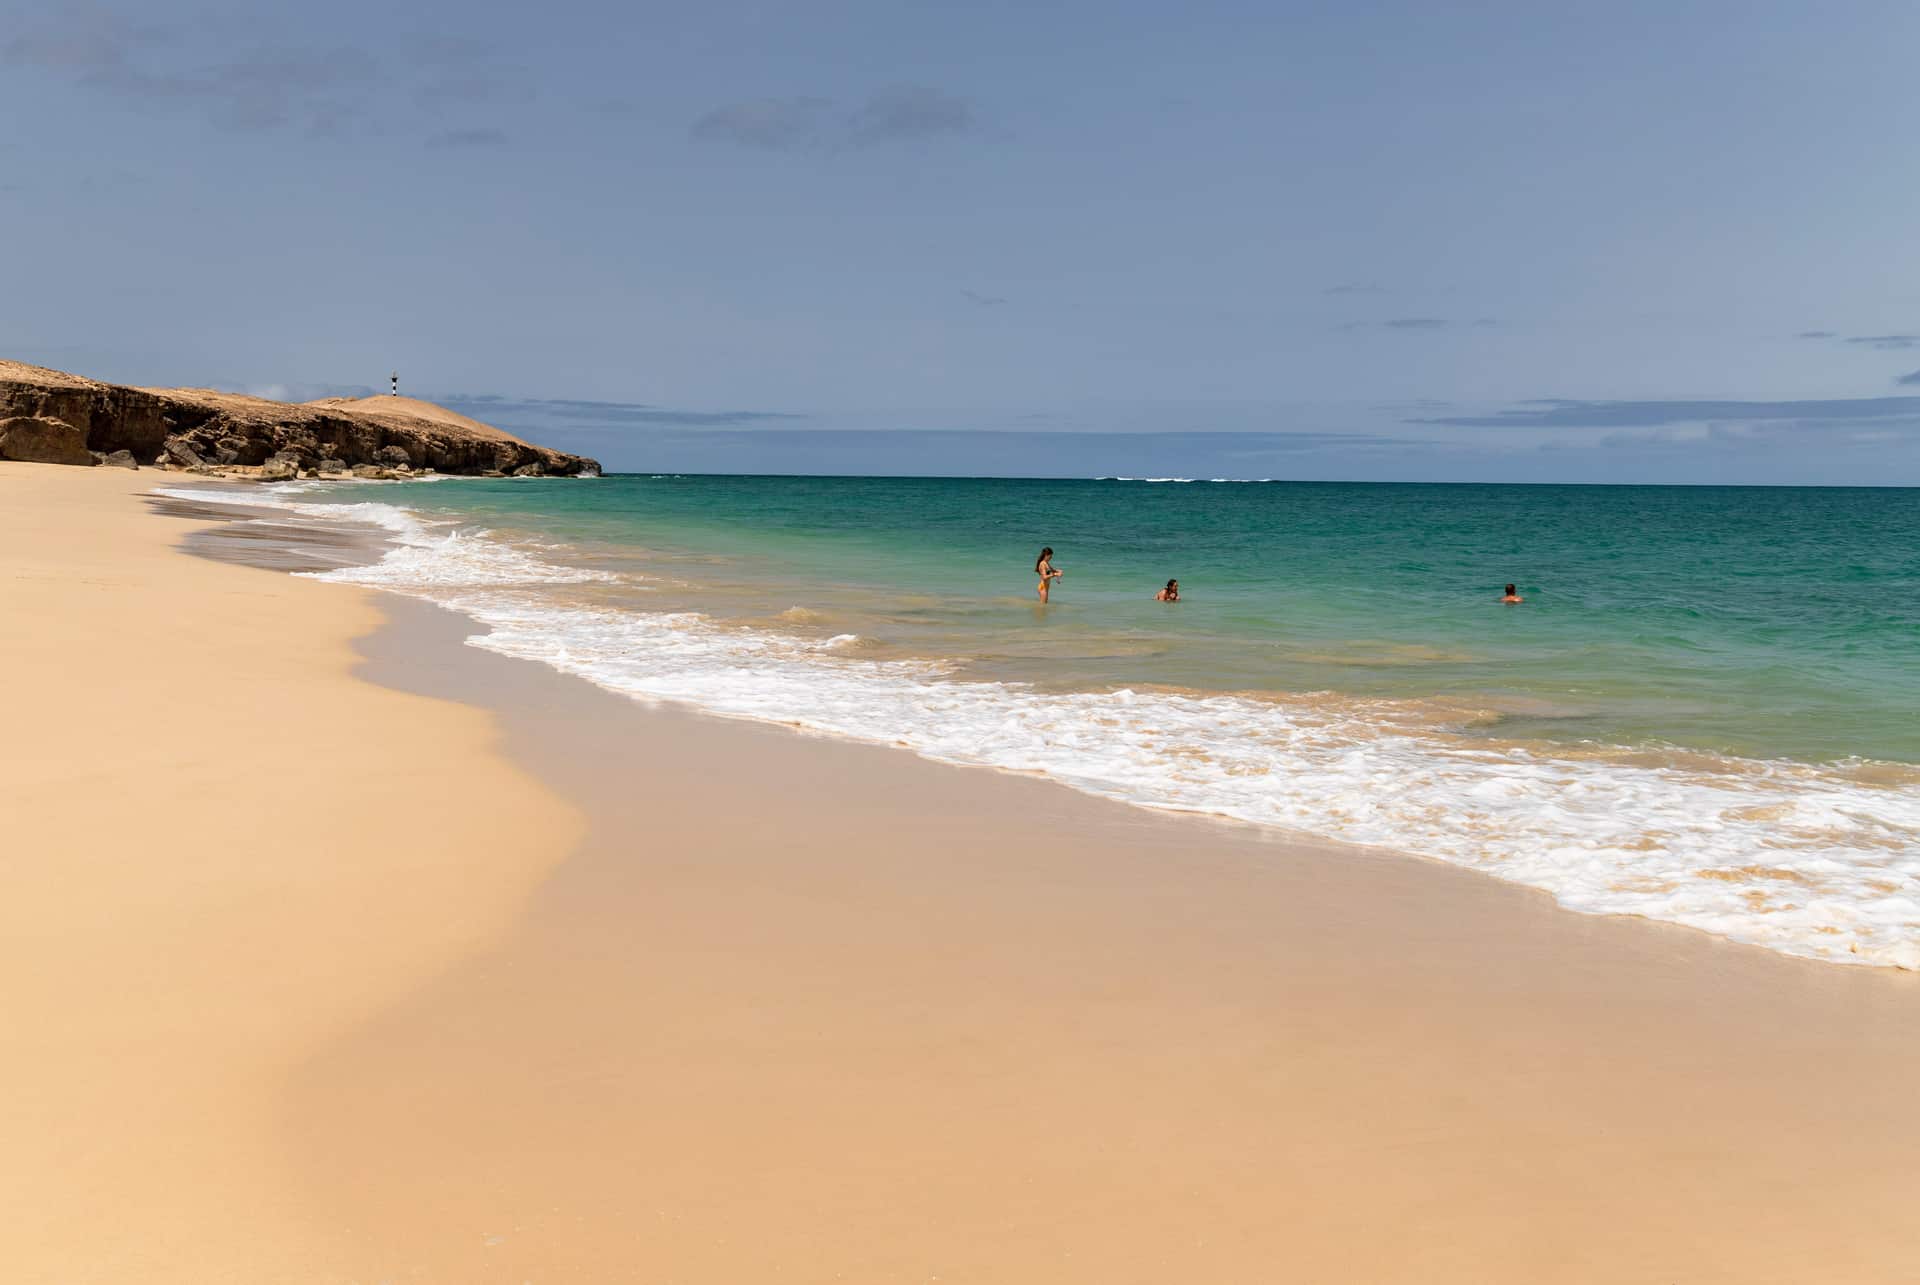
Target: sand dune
387	406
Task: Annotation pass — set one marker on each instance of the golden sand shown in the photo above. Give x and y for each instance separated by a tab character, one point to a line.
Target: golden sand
220	850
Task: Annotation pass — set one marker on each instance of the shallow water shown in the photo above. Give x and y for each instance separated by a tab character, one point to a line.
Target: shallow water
1705	711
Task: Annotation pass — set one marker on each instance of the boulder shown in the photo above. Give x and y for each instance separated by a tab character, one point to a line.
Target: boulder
392	456
121	459
367	470
36	439
330	467
178	452
280	468
530	470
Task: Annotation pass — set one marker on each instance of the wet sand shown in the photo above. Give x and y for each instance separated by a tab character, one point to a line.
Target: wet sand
807	1010
795	1009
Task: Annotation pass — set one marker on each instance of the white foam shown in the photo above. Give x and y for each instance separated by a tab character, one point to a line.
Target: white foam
1806	860
425	555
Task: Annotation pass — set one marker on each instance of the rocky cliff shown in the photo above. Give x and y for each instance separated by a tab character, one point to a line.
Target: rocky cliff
53	417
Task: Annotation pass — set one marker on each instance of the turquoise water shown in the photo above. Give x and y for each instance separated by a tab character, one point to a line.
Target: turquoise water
1767	622
1704	712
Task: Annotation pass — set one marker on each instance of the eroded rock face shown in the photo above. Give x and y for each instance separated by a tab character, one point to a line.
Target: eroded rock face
39	439
220	428
181	453
280	468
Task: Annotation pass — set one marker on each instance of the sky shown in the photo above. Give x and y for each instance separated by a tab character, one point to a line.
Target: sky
1630	242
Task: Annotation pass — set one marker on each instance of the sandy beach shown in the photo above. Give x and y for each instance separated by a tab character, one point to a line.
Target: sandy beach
222	851
336	951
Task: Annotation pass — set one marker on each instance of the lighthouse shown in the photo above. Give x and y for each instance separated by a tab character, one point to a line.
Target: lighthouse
395	377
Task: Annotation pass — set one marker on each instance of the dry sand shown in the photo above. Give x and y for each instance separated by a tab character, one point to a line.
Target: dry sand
803	1011
220	850
386	406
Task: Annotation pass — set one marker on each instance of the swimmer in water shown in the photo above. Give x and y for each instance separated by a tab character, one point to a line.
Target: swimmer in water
1169	594
1513	595
1047	572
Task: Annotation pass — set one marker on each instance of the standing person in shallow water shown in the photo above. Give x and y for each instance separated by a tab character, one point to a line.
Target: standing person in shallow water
1047	572
1513	595
1169	594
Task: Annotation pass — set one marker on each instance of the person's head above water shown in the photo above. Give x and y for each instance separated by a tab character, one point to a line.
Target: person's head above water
1173	586
1513	595
1509	591
1044	555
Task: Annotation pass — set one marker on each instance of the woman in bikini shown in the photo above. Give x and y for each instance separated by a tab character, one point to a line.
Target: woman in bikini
1047	572
1169	594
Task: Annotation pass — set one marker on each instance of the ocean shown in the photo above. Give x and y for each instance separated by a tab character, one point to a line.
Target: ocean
1705	712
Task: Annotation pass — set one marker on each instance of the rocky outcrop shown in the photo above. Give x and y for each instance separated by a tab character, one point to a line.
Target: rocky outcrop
41	439
193	427
180	452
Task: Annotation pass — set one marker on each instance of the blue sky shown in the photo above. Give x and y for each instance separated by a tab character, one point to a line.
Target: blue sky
1623	242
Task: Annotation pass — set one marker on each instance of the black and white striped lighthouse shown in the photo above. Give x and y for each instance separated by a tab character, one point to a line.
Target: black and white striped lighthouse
396	382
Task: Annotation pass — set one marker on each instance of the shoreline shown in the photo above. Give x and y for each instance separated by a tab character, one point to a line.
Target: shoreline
799	1007
1784	854
896	1021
